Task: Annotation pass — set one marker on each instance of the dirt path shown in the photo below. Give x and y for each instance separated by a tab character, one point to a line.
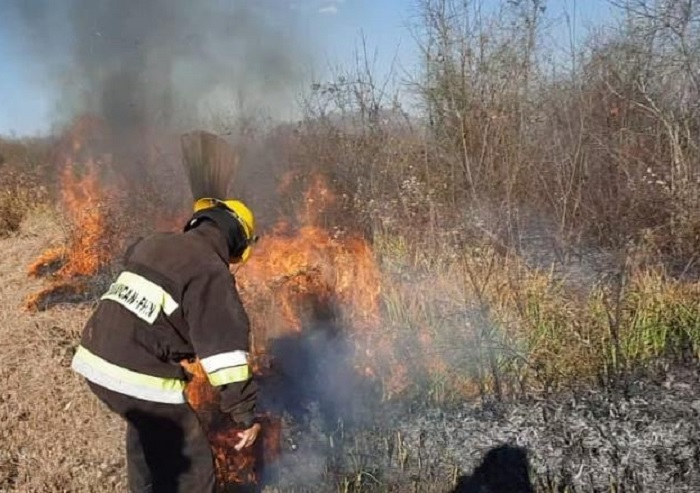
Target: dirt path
54	435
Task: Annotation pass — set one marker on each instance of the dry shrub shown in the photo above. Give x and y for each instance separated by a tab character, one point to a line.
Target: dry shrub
603	146
20	193
12	211
21	186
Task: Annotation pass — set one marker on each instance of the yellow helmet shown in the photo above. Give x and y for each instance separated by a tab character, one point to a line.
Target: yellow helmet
241	213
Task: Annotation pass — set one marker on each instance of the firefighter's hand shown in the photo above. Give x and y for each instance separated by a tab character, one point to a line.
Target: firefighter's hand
246	438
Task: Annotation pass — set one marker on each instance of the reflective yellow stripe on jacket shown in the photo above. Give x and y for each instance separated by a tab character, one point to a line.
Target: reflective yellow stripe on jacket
229	375
125	381
225	368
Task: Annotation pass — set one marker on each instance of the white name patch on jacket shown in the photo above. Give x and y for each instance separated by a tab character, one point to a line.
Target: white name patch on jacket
140	296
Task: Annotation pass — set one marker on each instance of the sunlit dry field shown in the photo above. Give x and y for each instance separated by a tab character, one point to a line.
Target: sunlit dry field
57	438
513	259
55	435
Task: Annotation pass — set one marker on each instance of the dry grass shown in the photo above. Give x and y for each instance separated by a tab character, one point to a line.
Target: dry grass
21	184
55	436
475	323
603	150
20	193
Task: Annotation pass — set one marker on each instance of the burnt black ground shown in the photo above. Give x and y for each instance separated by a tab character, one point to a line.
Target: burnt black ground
644	439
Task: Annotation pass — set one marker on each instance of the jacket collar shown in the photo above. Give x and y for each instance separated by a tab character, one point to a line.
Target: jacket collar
210	234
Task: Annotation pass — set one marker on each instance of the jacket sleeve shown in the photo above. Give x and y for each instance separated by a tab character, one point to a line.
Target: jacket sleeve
219	330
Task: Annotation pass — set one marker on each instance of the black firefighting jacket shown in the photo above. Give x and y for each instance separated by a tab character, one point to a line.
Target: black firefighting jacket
175	299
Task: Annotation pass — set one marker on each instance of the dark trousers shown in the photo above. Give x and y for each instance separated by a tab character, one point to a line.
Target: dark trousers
166	448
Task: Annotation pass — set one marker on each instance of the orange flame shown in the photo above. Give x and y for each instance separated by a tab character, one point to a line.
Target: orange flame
83	200
289	267
232	467
298	270
317	199
292	273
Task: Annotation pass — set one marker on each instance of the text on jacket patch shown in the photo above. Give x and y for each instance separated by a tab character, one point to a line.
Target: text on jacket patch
133	301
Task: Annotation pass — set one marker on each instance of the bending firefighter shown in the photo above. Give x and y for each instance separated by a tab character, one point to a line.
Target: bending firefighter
175	300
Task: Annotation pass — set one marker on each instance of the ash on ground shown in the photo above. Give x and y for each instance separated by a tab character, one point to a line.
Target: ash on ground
645	439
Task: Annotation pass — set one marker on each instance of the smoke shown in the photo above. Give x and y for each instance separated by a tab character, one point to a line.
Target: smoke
317	389
149	70
164	63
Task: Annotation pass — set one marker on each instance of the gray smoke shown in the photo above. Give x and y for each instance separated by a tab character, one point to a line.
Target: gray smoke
169	64
152	69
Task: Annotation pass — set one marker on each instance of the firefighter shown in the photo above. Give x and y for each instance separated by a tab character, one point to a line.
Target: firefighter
175	300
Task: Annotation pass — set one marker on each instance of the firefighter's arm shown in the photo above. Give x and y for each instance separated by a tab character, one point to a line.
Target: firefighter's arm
219	330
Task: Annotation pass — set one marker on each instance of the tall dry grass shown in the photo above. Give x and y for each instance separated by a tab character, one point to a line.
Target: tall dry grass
479	325
55	436
536	223
21	186
538	219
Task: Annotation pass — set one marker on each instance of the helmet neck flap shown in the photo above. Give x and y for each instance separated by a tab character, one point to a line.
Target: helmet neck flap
227	223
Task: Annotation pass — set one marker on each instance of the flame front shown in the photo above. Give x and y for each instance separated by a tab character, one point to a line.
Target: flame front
84	201
289	266
292	273
300	273
293	263
232	467
90	245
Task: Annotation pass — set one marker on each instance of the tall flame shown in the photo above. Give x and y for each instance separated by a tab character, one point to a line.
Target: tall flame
90	245
84	201
289	265
297	265
291	268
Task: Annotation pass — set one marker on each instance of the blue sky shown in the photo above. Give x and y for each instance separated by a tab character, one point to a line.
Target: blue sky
27	102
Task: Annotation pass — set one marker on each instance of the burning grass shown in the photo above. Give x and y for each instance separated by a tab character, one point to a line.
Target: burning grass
90	246
292	265
412	324
429	322
233	468
299	279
